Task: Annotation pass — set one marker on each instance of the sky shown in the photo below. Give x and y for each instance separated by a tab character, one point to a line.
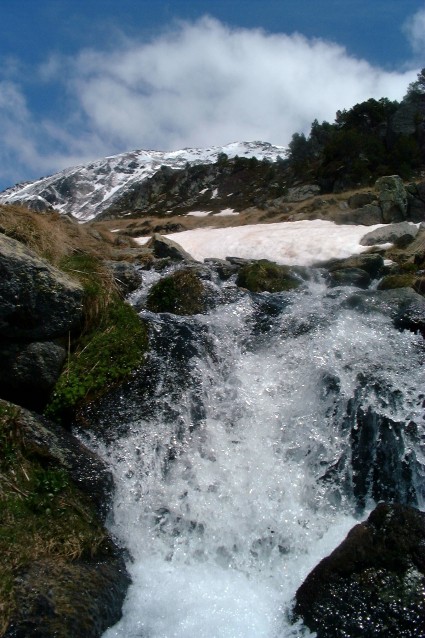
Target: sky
84	79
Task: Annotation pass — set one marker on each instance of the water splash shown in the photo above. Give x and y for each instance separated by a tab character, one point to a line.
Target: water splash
234	478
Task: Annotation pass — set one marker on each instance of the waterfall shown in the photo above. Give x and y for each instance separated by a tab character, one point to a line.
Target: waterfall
239	460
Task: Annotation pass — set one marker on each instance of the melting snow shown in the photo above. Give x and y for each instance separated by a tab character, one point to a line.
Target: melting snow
293	243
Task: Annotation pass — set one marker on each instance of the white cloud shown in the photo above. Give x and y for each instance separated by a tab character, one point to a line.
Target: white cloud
414	28
197	84
204	83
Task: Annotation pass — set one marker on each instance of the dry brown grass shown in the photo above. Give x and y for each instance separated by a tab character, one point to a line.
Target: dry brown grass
52	235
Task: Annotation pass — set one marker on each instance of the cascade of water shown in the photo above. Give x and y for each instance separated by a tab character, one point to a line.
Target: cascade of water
234	476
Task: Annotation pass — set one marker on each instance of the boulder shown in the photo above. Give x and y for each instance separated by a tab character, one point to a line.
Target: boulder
164	247
401	234
392	198
55	599
37	301
373	584
28	371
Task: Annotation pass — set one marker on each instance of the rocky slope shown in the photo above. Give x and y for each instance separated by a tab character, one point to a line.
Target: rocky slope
88	191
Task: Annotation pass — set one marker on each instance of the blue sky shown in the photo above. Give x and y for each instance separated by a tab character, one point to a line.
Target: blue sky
80	79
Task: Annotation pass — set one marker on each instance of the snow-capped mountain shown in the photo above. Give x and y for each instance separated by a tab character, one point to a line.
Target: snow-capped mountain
87	191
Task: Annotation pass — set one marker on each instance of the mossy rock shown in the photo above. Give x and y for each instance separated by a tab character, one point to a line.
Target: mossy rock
46	519
266	276
104	356
181	293
403	280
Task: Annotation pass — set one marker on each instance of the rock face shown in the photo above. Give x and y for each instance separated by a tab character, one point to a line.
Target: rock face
37	301
39	305
373	584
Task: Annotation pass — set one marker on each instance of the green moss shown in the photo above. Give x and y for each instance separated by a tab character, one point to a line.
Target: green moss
42	513
103	357
404	280
181	293
267	276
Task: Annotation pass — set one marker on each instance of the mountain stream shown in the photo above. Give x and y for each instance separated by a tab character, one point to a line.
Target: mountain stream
237	456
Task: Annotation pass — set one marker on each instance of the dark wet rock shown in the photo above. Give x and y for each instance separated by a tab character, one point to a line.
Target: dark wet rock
384	466
263	275
358	270
164	247
126	275
66	600
37	301
373	584
29	371
401	234
404	306
56	447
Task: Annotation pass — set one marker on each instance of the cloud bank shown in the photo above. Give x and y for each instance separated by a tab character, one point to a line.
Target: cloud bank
196	84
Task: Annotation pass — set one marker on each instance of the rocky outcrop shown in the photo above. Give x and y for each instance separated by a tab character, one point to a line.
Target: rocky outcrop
39	307
373	584
391	203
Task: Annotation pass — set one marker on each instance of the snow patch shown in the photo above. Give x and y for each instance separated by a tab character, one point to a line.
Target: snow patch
292	243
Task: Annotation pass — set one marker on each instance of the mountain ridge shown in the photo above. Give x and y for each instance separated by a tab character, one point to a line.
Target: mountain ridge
87	190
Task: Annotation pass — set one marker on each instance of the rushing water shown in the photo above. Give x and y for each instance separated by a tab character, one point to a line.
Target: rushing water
233	468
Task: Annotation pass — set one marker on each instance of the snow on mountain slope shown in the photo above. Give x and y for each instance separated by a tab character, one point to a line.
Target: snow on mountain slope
86	191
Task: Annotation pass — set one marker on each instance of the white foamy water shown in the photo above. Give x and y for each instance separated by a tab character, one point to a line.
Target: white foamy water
221	496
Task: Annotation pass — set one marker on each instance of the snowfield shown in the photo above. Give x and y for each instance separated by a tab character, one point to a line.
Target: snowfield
301	243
